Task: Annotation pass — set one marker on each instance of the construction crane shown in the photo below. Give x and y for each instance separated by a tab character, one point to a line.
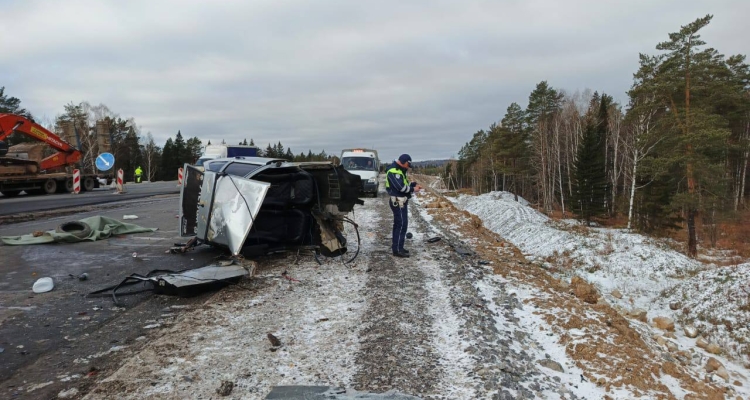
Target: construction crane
41	176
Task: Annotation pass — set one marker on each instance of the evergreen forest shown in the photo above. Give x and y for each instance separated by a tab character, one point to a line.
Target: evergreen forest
674	157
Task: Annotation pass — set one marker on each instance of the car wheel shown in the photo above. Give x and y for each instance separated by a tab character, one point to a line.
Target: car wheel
78	229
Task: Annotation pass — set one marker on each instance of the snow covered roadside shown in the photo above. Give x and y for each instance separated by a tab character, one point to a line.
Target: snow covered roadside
315	316
442	324
647	274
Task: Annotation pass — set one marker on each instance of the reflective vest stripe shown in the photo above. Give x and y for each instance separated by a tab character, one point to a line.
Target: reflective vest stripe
397	171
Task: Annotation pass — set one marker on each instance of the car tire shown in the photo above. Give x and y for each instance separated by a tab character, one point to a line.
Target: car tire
76	228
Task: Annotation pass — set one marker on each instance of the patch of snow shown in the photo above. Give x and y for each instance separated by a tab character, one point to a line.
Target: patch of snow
38	386
113	349
67	394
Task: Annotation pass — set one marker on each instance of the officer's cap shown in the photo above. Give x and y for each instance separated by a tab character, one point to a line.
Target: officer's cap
404	158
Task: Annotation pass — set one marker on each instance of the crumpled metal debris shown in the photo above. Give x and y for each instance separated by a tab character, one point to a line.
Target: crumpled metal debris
186	283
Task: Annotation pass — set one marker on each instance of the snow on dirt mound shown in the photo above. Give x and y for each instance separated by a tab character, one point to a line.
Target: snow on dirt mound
647	272
614	252
717	302
640	267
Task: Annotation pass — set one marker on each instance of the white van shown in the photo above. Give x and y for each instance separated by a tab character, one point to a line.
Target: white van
365	163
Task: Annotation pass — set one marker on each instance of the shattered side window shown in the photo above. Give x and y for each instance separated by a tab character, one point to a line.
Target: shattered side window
240	169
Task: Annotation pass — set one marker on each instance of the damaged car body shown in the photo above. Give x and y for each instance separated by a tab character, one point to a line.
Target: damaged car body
256	206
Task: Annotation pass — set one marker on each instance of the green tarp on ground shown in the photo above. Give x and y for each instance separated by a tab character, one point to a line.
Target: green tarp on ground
101	228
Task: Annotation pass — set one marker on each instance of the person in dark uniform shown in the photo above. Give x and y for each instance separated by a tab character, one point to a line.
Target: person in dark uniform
400	190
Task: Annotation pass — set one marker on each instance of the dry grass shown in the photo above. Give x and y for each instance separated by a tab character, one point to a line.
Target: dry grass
733	234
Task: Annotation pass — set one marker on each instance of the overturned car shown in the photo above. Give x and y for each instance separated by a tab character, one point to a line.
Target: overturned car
256	206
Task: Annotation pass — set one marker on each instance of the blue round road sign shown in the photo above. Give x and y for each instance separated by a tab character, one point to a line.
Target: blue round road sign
105	161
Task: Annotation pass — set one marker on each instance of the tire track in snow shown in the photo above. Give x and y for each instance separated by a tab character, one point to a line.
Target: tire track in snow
456	363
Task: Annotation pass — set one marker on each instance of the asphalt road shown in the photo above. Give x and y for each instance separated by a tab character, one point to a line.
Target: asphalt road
65	333
28	203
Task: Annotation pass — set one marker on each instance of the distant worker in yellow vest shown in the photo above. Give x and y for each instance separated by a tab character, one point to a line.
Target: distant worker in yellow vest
138	174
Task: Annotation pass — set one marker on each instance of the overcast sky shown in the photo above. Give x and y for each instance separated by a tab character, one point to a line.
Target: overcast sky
400	76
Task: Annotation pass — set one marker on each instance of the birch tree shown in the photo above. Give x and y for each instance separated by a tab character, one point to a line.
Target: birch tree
150	155
544	103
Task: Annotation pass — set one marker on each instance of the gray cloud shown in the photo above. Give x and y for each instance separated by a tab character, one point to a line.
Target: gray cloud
403	76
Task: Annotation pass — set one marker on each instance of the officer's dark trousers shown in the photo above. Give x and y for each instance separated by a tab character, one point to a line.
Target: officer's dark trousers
400	224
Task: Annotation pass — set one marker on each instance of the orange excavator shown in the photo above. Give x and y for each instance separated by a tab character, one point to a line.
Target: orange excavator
41	175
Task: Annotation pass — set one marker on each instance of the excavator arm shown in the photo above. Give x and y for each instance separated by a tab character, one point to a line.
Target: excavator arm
66	154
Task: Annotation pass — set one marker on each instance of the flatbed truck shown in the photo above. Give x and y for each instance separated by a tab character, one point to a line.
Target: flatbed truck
52	174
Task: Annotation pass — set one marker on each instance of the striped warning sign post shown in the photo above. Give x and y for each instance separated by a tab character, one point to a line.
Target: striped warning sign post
76	181
120	177
179	176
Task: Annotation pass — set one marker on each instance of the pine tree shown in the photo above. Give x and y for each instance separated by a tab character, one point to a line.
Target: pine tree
544	101
180	152
132	143
686	84
590	169
168	160
12	105
192	150
514	146
270	152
